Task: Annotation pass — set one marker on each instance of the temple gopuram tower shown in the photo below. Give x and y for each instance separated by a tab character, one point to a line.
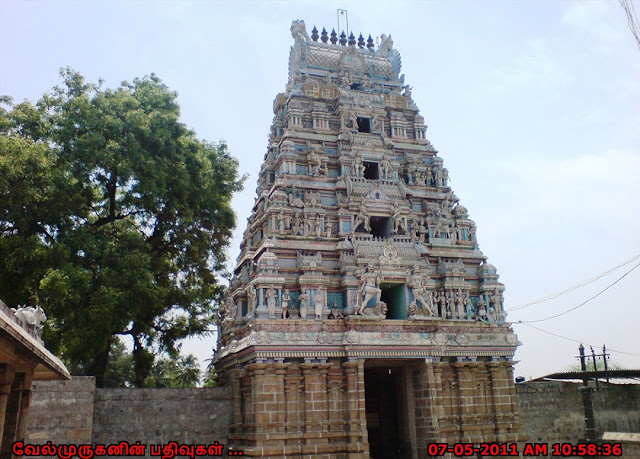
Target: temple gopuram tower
362	320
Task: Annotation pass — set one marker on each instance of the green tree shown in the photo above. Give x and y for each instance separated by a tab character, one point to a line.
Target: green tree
186	372
115	217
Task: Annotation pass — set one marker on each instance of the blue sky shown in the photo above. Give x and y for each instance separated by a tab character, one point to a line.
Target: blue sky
533	105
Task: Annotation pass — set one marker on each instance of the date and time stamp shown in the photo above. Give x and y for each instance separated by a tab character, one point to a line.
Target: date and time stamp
174	449
526	450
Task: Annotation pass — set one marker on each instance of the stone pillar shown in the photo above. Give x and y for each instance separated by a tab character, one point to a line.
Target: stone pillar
470	430
5	391
6	381
279	397
293	397
335	405
13	415
504	400
236	383
429	402
259	416
316	416
354	392
450	419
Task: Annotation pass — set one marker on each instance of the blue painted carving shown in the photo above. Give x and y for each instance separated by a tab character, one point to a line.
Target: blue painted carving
329	200
302	169
333	173
346	227
334	297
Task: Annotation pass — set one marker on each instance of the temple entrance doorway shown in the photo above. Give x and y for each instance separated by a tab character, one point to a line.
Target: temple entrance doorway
390	421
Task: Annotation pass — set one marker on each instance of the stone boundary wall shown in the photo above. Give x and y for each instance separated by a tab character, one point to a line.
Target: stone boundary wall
61	411
159	416
552	411
65	412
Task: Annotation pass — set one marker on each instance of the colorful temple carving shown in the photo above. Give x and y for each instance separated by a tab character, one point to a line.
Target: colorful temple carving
362	319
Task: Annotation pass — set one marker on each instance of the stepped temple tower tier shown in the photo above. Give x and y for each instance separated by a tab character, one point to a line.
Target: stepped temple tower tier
362	316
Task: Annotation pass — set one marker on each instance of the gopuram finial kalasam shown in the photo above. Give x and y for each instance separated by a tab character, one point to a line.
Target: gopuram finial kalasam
359	265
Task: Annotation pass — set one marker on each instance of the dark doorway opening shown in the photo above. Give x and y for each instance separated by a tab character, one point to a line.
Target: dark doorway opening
387	409
364	124
394	297
380	226
371	171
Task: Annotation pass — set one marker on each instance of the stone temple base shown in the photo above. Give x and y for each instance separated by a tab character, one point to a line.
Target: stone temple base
370	408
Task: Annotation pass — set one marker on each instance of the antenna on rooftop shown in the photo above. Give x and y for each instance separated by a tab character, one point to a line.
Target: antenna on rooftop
346	16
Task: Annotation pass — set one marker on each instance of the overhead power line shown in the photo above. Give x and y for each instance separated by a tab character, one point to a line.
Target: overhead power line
584	302
571	289
632	19
573	340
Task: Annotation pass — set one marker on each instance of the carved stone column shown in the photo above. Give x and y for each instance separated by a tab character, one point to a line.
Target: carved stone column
13	412
354	392
279	397
6	380
504	400
293	396
335	381
465	396
316	416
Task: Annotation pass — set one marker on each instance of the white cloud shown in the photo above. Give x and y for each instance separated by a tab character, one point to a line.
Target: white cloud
597	187
535	68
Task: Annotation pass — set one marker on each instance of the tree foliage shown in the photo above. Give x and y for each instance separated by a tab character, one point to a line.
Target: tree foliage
115	217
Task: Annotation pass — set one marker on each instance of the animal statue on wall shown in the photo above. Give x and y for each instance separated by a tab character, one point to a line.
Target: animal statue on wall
32	317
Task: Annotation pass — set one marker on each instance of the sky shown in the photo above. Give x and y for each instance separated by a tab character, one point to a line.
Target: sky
533	105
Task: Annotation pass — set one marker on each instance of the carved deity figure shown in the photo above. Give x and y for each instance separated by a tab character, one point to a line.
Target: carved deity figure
416	282
451	306
482	309
228	313
437	174
376	123
445	176
422	231
295	202
319	225
285	303
251	300
358	166
297	226
345	80
363	217
282	224
272	299
429	178
496	300
460	312
335	312
472	235
468	307
411	174
318	303
385	168
304	304
315	163
442	299
369	288
329	228
399	222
